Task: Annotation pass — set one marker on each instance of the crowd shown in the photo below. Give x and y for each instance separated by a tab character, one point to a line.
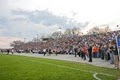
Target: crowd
94	45
101	45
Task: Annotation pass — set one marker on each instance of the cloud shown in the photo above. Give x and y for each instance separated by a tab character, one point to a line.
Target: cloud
5	41
27	24
4	8
24	28
48	18
3	21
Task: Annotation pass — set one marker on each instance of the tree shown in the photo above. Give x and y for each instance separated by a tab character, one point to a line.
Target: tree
56	35
68	32
75	31
104	30
17	44
72	32
99	30
93	30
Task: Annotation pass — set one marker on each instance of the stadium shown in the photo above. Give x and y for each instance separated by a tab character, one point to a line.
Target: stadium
59	40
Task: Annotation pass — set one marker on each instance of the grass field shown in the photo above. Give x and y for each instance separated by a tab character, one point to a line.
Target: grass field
14	67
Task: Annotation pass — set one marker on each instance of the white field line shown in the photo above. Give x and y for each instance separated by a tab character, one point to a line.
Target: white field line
96	76
95	73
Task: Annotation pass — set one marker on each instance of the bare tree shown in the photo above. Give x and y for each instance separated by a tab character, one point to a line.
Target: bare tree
72	32
68	32
56	35
75	31
93	30
17	44
99	30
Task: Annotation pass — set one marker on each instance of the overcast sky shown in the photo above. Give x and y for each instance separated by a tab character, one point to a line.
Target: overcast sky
21	19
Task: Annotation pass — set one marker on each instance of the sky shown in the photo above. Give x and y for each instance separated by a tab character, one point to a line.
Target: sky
20	19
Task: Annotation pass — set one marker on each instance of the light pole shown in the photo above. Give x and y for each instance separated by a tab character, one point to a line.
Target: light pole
60	30
37	37
37	43
24	40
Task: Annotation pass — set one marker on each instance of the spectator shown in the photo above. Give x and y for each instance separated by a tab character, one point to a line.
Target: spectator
8	51
111	47
76	51
116	57
90	52
95	51
44	52
84	52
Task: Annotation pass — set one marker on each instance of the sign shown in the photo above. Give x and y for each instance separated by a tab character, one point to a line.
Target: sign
118	41
118	45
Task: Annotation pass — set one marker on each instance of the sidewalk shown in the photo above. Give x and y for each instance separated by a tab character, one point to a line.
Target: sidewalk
96	61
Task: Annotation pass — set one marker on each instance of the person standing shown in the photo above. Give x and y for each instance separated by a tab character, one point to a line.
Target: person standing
116	57
111	54
49	51
44	51
12	51
90	52
8	51
84	52
94	50
102	52
76	51
1	51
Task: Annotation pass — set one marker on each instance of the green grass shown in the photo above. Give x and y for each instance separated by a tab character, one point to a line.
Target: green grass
14	67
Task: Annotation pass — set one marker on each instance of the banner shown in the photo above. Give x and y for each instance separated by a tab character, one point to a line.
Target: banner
118	41
118	45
